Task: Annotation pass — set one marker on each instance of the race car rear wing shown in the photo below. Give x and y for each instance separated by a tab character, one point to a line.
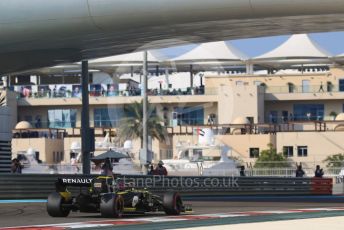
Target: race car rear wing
63	182
77	181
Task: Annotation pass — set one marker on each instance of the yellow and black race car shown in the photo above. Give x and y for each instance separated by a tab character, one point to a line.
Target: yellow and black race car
106	195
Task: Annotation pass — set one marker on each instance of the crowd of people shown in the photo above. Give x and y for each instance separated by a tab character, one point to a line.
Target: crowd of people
158	170
96	90
107	168
299	172
319	172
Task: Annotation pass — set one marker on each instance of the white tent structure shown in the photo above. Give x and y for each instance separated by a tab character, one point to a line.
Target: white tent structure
338	58
136	58
127	62
209	55
298	49
212	53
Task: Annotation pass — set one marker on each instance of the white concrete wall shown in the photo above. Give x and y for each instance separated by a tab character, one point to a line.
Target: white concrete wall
320	144
5	123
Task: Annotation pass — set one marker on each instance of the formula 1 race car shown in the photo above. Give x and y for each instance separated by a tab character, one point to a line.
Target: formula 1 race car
103	194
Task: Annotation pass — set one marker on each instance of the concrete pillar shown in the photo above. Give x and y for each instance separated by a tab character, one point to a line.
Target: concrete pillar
191	76
115	80
131	71
167	79
157	70
249	68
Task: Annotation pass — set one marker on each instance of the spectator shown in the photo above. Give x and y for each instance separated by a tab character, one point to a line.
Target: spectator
103	93
26	92
107	168
38	123
49	92
209	120
160	169
321	89
318	172
93	92
76	92
111	90
151	170
73	162
291	118
308	115
242	171
16	167
299	171
54	92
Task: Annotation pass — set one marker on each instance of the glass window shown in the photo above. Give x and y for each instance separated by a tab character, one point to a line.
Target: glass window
311	112
305	86
273	117
341	85
107	117
62	118
302	151
190	115
288	151
254	152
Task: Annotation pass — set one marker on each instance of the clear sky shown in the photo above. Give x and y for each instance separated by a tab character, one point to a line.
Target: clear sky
332	42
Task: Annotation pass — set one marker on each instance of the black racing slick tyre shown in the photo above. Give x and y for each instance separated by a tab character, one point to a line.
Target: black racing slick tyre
111	205
172	203
55	207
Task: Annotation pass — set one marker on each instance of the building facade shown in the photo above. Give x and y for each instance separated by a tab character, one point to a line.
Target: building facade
295	111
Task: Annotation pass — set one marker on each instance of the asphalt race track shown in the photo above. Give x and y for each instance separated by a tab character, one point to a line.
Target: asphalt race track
28	214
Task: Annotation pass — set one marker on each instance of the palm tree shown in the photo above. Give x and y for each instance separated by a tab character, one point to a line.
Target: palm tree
131	126
335	161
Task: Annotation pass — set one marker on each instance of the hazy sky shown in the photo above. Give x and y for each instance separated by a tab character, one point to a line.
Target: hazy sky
332	42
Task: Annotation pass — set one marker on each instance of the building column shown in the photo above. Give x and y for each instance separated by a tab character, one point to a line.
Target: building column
191	76
167	79
249	68
85	121
115	80
157	70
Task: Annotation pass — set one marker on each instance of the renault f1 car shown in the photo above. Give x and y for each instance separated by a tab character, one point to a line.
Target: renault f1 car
105	195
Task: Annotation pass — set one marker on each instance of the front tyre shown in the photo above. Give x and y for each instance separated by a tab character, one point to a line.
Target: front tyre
55	206
172	203
111	205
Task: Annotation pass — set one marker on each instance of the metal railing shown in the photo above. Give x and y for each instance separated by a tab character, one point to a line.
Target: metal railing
46	92
304	89
290	172
191	168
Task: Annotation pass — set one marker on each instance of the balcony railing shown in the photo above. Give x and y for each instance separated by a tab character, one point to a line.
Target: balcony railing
50	133
45	92
304	89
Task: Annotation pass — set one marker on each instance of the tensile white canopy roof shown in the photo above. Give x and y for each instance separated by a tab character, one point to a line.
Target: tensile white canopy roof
299	48
153	56
213	53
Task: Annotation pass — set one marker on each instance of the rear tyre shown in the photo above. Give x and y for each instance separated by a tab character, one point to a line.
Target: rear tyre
55	205
111	205
172	203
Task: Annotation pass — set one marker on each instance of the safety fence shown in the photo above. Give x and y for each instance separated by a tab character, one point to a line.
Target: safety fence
32	186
